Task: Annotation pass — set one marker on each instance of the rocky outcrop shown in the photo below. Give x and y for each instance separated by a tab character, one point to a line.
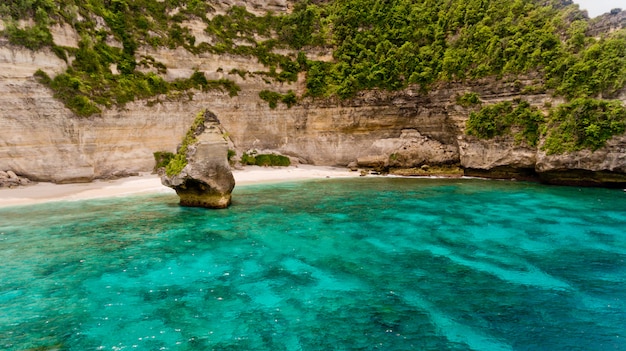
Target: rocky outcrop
501	157
258	7
607	23
409	150
603	167
42	140
9	179
206	179
505	158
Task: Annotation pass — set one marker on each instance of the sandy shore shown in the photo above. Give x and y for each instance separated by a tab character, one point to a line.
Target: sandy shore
150	183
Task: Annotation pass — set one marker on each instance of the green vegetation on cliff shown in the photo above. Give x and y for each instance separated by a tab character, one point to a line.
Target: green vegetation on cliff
273	98
162	159
106	69
468	99
377	44
175	163
387	45
519	118
392	44
583	124
265	160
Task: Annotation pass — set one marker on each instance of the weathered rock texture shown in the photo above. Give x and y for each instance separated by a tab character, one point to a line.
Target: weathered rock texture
42	140
9	180
608	22
258	7
206	180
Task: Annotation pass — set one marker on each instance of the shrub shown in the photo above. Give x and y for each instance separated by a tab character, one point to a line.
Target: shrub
248	159
82	106
289	99
34	38
281	161
300	27
162	159
272	160
179	160
489	121
318	73
584	124
504	118
176	165
226	85
43	77
273	98
468	99
265	160
231	153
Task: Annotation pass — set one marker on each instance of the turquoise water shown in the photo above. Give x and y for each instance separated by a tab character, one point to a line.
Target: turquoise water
358	264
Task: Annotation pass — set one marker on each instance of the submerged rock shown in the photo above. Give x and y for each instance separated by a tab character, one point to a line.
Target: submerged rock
205	179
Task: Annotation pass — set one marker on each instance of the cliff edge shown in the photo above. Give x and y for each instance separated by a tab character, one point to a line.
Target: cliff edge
95	99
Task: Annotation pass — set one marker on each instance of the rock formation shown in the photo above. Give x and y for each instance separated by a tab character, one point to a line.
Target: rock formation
608	22
381	129
405	129
206	179
9	179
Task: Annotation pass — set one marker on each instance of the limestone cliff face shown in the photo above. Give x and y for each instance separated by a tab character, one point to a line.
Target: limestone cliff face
606	166
43	140
608	22
258	7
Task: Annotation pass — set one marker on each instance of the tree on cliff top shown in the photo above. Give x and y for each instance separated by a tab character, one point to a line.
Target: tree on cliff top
375	44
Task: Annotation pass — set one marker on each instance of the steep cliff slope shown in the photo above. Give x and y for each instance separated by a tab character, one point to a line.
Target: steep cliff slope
329	122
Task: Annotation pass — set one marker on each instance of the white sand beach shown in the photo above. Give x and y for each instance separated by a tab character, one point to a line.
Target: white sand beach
151	183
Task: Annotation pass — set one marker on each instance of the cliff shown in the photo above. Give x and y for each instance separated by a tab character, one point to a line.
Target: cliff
608	22
42	139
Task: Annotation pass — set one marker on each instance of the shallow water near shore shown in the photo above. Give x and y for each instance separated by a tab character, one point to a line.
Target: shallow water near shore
348	264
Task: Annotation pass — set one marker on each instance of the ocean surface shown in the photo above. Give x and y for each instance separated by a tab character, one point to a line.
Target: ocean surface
346	264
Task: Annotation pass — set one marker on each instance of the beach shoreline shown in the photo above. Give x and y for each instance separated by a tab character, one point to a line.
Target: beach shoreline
151	183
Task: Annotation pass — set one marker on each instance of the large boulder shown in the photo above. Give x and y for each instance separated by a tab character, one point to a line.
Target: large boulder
10	179
206	180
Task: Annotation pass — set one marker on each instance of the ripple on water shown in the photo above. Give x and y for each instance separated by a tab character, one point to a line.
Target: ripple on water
391	264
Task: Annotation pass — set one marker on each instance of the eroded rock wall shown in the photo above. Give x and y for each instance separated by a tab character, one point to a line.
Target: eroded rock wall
43	140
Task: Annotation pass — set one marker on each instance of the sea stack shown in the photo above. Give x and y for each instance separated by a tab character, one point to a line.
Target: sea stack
199	171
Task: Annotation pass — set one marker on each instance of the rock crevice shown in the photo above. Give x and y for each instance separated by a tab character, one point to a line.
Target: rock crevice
9	179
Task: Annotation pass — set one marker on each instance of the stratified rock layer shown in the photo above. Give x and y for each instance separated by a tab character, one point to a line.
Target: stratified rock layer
206	180
44	141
